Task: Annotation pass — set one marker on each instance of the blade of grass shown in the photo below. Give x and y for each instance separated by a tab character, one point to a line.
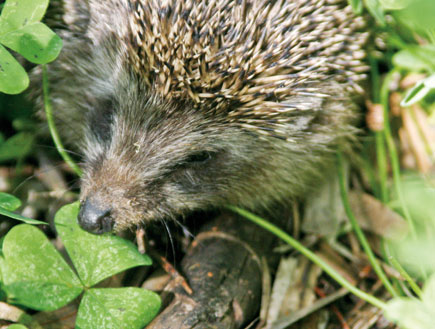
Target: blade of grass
381	155
50	120
310	255
381	159
414	286
393	152
359	233
369	169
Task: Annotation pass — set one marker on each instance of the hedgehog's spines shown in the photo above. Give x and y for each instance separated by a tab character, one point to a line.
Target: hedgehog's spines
267	87
256	54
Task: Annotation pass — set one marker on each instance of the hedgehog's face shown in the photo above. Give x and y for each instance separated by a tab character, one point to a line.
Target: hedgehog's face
146	160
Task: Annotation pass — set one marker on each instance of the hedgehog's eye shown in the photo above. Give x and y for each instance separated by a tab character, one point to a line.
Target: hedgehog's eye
194	160
198	158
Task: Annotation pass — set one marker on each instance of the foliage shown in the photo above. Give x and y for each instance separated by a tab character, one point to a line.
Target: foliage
414	313
17	326
22	31
9	203
419	193
35	275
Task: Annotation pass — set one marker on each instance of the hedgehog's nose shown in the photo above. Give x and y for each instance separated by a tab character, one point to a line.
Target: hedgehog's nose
94	218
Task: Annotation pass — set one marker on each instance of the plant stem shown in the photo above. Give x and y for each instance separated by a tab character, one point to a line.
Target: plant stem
405	274
381	156
382	165
393	152
359	233
52	126
310	255
370	172
394	157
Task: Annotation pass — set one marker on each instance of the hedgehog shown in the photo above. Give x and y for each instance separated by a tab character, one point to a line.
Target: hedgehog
186	105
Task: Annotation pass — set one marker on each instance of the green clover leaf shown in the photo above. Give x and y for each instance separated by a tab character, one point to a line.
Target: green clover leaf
96	257
34	273
22	31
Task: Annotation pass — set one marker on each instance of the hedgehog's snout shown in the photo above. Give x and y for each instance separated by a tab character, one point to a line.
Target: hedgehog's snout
95	218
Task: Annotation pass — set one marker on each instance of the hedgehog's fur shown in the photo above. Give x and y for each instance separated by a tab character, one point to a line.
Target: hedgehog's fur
181	105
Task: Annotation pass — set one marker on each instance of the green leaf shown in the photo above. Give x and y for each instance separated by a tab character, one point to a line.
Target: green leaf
357	6
13	78
36	42
418	18
23	123
416	93
394	4
95	257
418	196
429	292
413	313
17	326
375	9
18	13
21	218
416	58
410	313
117	308
16	147
9	202
34	273
419	91
430	81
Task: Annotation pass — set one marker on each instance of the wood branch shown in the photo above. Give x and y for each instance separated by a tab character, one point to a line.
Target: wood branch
223	268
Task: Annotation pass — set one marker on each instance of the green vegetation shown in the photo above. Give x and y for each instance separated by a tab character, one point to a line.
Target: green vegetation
404	52
22	31
33	274
409	35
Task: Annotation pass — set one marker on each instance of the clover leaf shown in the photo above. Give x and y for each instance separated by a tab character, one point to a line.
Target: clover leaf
35	275
9	203
413	313
16	146
117	308
95	257
22	31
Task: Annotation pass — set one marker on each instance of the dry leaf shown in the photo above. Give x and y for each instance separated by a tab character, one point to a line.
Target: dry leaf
376	217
